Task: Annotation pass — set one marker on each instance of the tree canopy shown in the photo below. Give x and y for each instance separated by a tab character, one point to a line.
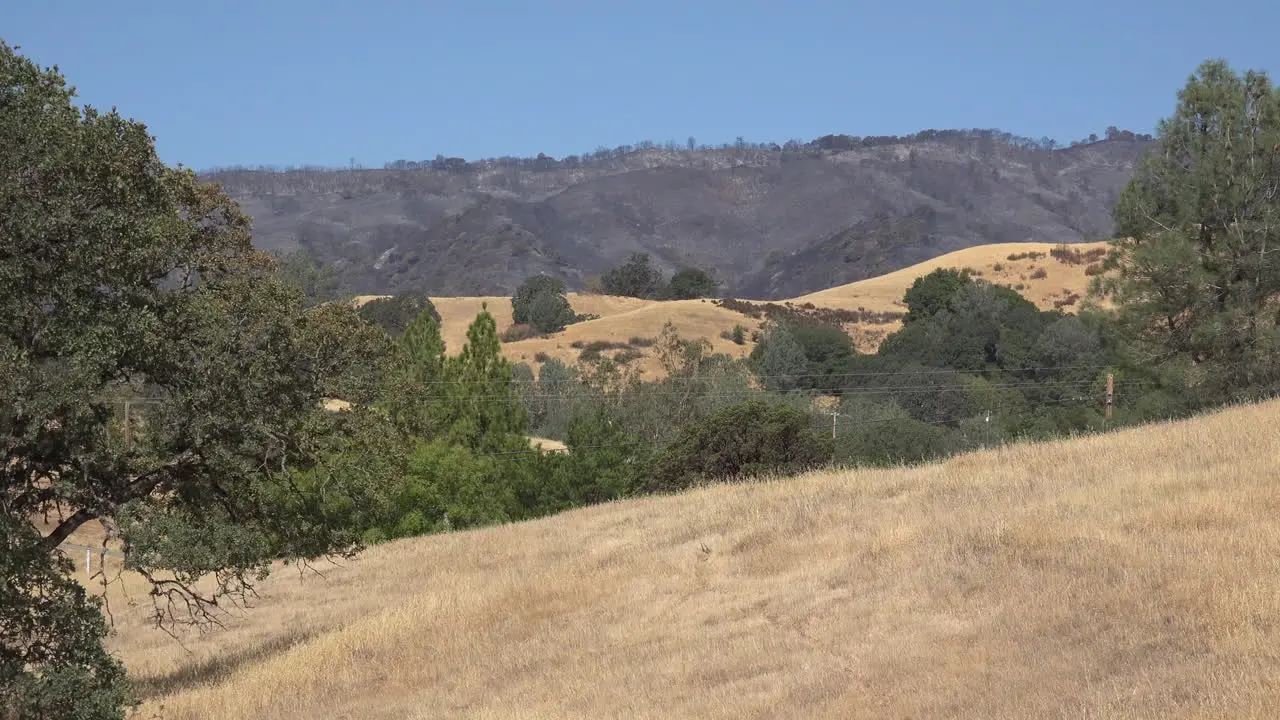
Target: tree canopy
541	303
124	279
1197	233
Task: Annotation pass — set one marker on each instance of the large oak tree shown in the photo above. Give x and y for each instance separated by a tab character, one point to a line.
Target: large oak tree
123	279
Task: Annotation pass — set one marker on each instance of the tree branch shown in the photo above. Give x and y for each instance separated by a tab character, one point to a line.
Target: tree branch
50	542
140	486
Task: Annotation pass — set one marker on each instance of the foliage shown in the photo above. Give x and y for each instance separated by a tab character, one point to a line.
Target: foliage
750	438
417	380
317	282
637	277
932	293
52	663
803	356
481	409
122	278
1196	232
689	284
393	314
541	303
779	360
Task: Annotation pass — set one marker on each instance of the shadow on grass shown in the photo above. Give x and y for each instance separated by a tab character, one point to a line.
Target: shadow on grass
216	669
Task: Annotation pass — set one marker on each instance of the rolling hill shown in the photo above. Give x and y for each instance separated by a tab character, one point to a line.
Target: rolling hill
1123	576
622	319
770	221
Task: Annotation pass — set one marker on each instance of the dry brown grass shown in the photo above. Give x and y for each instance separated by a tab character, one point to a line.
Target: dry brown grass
1057	280
622	318
1124	576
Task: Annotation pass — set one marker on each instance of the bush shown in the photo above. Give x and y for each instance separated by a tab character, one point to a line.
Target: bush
1093	269
635	278
895	441
541	303
551	313
751	438
932	293
1040	274
627	355
393	314
541	357
516	333
739	335
642	341
690	283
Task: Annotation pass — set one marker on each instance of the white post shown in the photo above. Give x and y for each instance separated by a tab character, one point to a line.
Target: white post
88	563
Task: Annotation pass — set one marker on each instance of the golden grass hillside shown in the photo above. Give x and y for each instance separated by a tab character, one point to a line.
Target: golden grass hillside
1029	268
1132	575
1045	280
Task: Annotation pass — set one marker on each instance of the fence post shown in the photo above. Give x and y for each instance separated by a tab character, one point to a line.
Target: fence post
1110	389
88	563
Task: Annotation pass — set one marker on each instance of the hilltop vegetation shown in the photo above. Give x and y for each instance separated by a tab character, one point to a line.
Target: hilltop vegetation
169	382
770	221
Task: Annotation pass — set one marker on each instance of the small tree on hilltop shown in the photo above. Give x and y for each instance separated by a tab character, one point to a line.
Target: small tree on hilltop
637	277
541	303
691	283
394	314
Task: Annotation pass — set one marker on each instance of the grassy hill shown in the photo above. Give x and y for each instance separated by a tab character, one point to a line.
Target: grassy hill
1046	280
1125	576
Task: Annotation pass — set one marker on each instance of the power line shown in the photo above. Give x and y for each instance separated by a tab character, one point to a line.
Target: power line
850	390
798	376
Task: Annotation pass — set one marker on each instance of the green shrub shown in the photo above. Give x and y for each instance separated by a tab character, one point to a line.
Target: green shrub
518	332
637	277
689	284
750	438
393	314
540	302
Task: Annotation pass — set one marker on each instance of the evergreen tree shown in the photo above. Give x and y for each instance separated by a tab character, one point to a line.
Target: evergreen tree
482	409
1198	230
418	379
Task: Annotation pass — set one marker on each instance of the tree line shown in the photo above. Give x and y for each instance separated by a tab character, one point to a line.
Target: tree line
604	156
123	279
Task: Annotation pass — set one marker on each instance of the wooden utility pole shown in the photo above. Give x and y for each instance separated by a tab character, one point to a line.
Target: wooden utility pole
1110	393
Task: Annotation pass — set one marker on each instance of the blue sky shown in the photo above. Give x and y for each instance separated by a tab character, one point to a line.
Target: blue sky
291	82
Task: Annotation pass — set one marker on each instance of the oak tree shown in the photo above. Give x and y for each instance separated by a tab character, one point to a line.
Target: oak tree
123	279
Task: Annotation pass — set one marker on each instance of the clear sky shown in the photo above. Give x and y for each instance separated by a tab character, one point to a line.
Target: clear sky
291	82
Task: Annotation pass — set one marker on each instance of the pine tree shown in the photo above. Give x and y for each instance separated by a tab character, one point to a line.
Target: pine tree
483	410
419	378
1198	230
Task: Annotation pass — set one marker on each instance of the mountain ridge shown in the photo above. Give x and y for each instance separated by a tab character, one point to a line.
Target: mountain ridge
769	221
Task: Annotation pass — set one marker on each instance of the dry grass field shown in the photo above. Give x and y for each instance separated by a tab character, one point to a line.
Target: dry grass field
1036	275
1131	575
624	318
